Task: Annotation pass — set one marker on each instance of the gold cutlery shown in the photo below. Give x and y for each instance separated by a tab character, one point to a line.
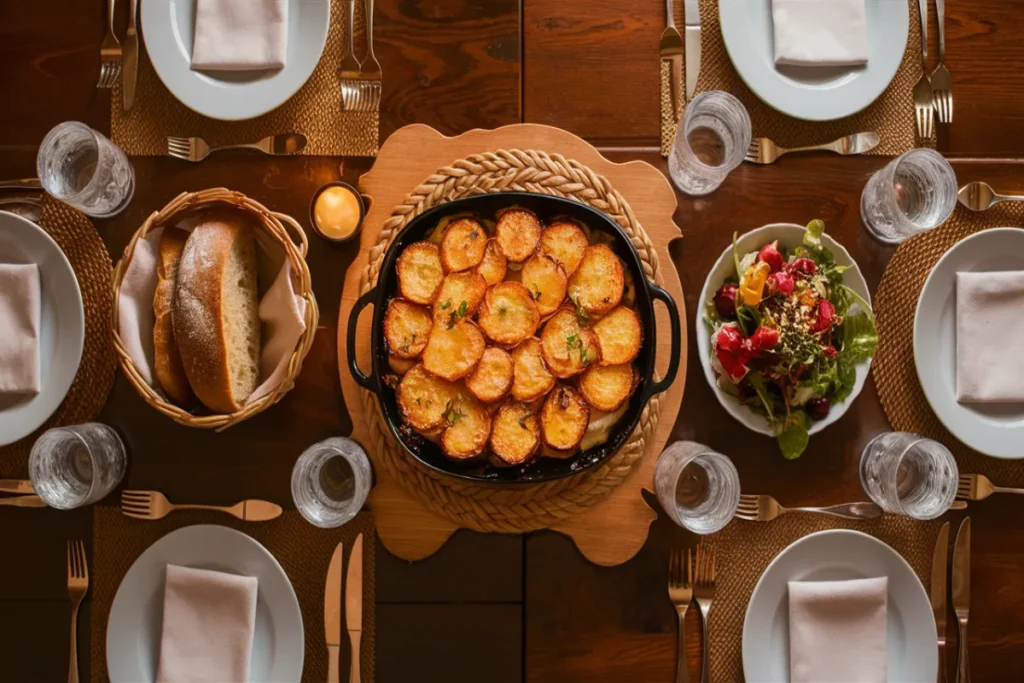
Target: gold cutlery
130	58
765	509
938	594
110	53
370	79
332	614
680	592
962	595
196	149
924	108
979	196
78	586
154	505
354	605
941	82
691	17
671	50
764	151
16	486
704	593
979	487
21	184
23	502
350	70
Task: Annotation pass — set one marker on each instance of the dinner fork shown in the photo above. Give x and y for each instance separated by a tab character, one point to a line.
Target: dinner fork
765	508
371	76
979	487
351	88
110	53
680	592
765	151
704	592
924	107
941	81
154	505
78	586
196	149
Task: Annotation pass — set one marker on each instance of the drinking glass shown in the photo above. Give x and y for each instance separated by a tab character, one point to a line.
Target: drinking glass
711	141
331	481
83	168
697	487
78	465
914	192
906	474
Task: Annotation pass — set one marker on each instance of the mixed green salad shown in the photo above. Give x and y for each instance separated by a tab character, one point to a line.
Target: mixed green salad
787	335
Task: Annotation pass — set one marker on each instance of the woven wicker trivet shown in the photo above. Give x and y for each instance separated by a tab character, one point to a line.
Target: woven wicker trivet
303	550
80	242
895	303
512	509
315	110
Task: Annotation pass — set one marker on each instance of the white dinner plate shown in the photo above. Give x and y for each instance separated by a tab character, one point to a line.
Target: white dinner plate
813	93
61	324
168	30
837	555
993	429
136	615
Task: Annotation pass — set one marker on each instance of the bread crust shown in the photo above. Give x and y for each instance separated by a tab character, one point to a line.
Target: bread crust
167	365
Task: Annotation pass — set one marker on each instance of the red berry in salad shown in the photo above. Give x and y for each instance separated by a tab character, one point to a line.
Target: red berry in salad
763	339
829	351
781	282
771	255
817	408
725	301
804	265
826	312
729	339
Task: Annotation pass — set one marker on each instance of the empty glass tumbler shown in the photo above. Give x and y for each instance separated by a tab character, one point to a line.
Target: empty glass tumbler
75	466
914	192
711	141
330	482
906	474
697	487
85	169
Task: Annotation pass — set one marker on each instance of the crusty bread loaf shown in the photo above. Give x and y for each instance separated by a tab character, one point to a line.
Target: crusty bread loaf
167	366
216	312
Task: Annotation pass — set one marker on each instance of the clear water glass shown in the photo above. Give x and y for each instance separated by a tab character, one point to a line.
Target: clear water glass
906	474
79	166
711	141
697	487
330	482
914	192
75	466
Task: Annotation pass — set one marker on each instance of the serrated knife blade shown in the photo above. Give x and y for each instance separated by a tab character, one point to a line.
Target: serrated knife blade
354	604
938	592
962	594
332	613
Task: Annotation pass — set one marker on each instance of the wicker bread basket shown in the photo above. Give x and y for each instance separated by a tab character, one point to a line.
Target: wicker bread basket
295	245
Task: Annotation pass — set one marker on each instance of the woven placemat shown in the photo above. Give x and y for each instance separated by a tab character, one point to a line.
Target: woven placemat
303	550
745	549
78	239
315	110
490	507
895	302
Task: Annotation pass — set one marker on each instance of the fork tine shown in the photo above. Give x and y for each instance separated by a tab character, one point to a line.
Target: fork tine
134	506
136	494
83	566
134	515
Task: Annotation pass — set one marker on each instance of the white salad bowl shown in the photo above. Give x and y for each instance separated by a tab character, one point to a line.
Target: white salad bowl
789	235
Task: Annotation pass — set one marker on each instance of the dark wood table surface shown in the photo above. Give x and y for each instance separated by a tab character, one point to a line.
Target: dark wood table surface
491	607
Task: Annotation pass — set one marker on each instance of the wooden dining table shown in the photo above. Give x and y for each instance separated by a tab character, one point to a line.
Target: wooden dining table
490	607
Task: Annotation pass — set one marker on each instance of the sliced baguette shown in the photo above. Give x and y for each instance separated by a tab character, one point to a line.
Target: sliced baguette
167	365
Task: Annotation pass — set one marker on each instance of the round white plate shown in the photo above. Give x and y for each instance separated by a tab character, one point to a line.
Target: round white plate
789	235
837	555
136	615
168	30
813	93
61	324
993	429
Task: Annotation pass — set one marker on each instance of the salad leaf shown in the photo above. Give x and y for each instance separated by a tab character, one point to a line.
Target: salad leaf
846	379
748	319
757	381
793	439
860	338
736	256
858	299
812	235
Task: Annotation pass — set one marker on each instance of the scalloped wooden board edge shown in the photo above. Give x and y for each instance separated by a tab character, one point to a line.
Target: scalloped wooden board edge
612	531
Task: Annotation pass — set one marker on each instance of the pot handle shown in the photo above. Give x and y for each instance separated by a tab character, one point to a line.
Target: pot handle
673	363
368	382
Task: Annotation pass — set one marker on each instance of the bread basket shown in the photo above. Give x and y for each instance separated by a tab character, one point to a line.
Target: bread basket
294	244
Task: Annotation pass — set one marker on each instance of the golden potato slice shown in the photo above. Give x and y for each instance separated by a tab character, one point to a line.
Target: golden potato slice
515	434
620	336
606	387
468	286
509	314
565	243
530	378
422	398
518	233
420	272
469	428
463	244
492	377
400	366
564	418
568	349
494	264
546	282
452	353
597	284
406	328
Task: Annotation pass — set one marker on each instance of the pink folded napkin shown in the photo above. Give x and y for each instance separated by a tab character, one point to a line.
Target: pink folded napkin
19	330
240	35
208	626
837	631
820	32
989	327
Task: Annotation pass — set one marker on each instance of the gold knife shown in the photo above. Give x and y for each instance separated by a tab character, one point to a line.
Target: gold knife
24	502
354	605
938	589
130	59
332	614
16	486
962	594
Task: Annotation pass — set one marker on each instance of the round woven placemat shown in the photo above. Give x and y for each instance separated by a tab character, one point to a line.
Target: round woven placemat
895	302
520	508
80	242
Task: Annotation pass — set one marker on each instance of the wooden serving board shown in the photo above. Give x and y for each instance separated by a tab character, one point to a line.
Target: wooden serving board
613	530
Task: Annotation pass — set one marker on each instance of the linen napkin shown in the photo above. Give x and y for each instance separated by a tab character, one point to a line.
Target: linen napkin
989	327
208	626
837	631
19	329
820	32
240	35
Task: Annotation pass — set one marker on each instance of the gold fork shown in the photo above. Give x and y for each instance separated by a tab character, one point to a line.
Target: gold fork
704	592
110	53
154	505
78	586
924	107
371	77
764	508
680	592
197	149
765	151
351	88
979	487
941	81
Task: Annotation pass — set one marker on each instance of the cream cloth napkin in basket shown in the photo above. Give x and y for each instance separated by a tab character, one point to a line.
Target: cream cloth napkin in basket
820	32
989	327
240	35
19	329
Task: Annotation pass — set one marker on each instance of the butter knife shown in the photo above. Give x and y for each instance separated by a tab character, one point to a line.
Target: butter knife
354	604
130	59
332	614
691	15
16	486
24	502
962	595
938	594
